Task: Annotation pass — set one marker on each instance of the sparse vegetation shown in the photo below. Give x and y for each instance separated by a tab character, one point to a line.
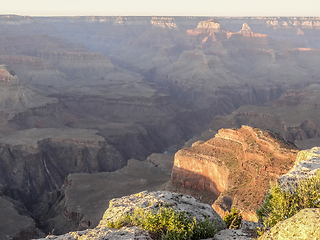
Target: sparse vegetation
233	219
281	204
167	224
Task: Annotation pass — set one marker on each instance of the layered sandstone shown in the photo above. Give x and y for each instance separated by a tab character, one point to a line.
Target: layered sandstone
236	165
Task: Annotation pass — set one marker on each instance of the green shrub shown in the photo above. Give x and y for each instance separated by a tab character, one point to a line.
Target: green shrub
281	204
233	219
167	224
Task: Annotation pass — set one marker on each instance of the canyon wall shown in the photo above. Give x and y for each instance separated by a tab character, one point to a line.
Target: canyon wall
237	166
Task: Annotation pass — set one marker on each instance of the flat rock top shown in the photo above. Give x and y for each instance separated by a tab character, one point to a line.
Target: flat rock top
32	136
303	225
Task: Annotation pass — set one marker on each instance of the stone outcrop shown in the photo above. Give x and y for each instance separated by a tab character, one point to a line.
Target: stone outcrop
247	231
236	165
307	165
304	225
102	233
154	200
145	200
247	32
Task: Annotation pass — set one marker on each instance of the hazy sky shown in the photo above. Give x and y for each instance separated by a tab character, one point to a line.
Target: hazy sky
162	7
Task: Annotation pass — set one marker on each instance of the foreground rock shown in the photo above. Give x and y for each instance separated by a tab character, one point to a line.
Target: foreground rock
303	225
236	166
146	200
102	233
306	166
246	232
154	200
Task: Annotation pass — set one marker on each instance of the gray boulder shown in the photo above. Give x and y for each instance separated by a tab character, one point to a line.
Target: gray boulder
306	166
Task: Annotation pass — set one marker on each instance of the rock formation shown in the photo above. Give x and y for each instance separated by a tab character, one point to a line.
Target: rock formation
145	200
307	165
236	166
303	225
246	232
247	32
17	96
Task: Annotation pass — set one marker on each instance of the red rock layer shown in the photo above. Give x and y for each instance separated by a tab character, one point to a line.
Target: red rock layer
237	165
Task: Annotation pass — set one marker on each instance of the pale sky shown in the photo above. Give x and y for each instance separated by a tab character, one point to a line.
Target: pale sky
161	7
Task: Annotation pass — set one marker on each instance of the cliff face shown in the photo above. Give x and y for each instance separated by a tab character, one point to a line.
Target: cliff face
236	166
35	162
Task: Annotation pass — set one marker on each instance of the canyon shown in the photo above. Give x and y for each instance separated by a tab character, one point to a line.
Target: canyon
89	99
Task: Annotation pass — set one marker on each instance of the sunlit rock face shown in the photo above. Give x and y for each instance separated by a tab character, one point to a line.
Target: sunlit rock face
236	165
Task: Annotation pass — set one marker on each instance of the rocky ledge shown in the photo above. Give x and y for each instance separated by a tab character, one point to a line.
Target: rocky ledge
306	166
145	200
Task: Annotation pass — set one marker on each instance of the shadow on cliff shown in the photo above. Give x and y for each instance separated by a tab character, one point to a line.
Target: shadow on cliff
195	182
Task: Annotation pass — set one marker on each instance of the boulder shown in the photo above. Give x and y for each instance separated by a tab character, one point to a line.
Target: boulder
246	232
303	225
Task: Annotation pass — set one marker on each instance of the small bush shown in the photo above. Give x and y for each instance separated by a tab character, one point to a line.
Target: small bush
167	224
281	204
233	219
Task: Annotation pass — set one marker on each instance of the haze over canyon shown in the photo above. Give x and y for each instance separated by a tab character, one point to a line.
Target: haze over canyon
89	106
